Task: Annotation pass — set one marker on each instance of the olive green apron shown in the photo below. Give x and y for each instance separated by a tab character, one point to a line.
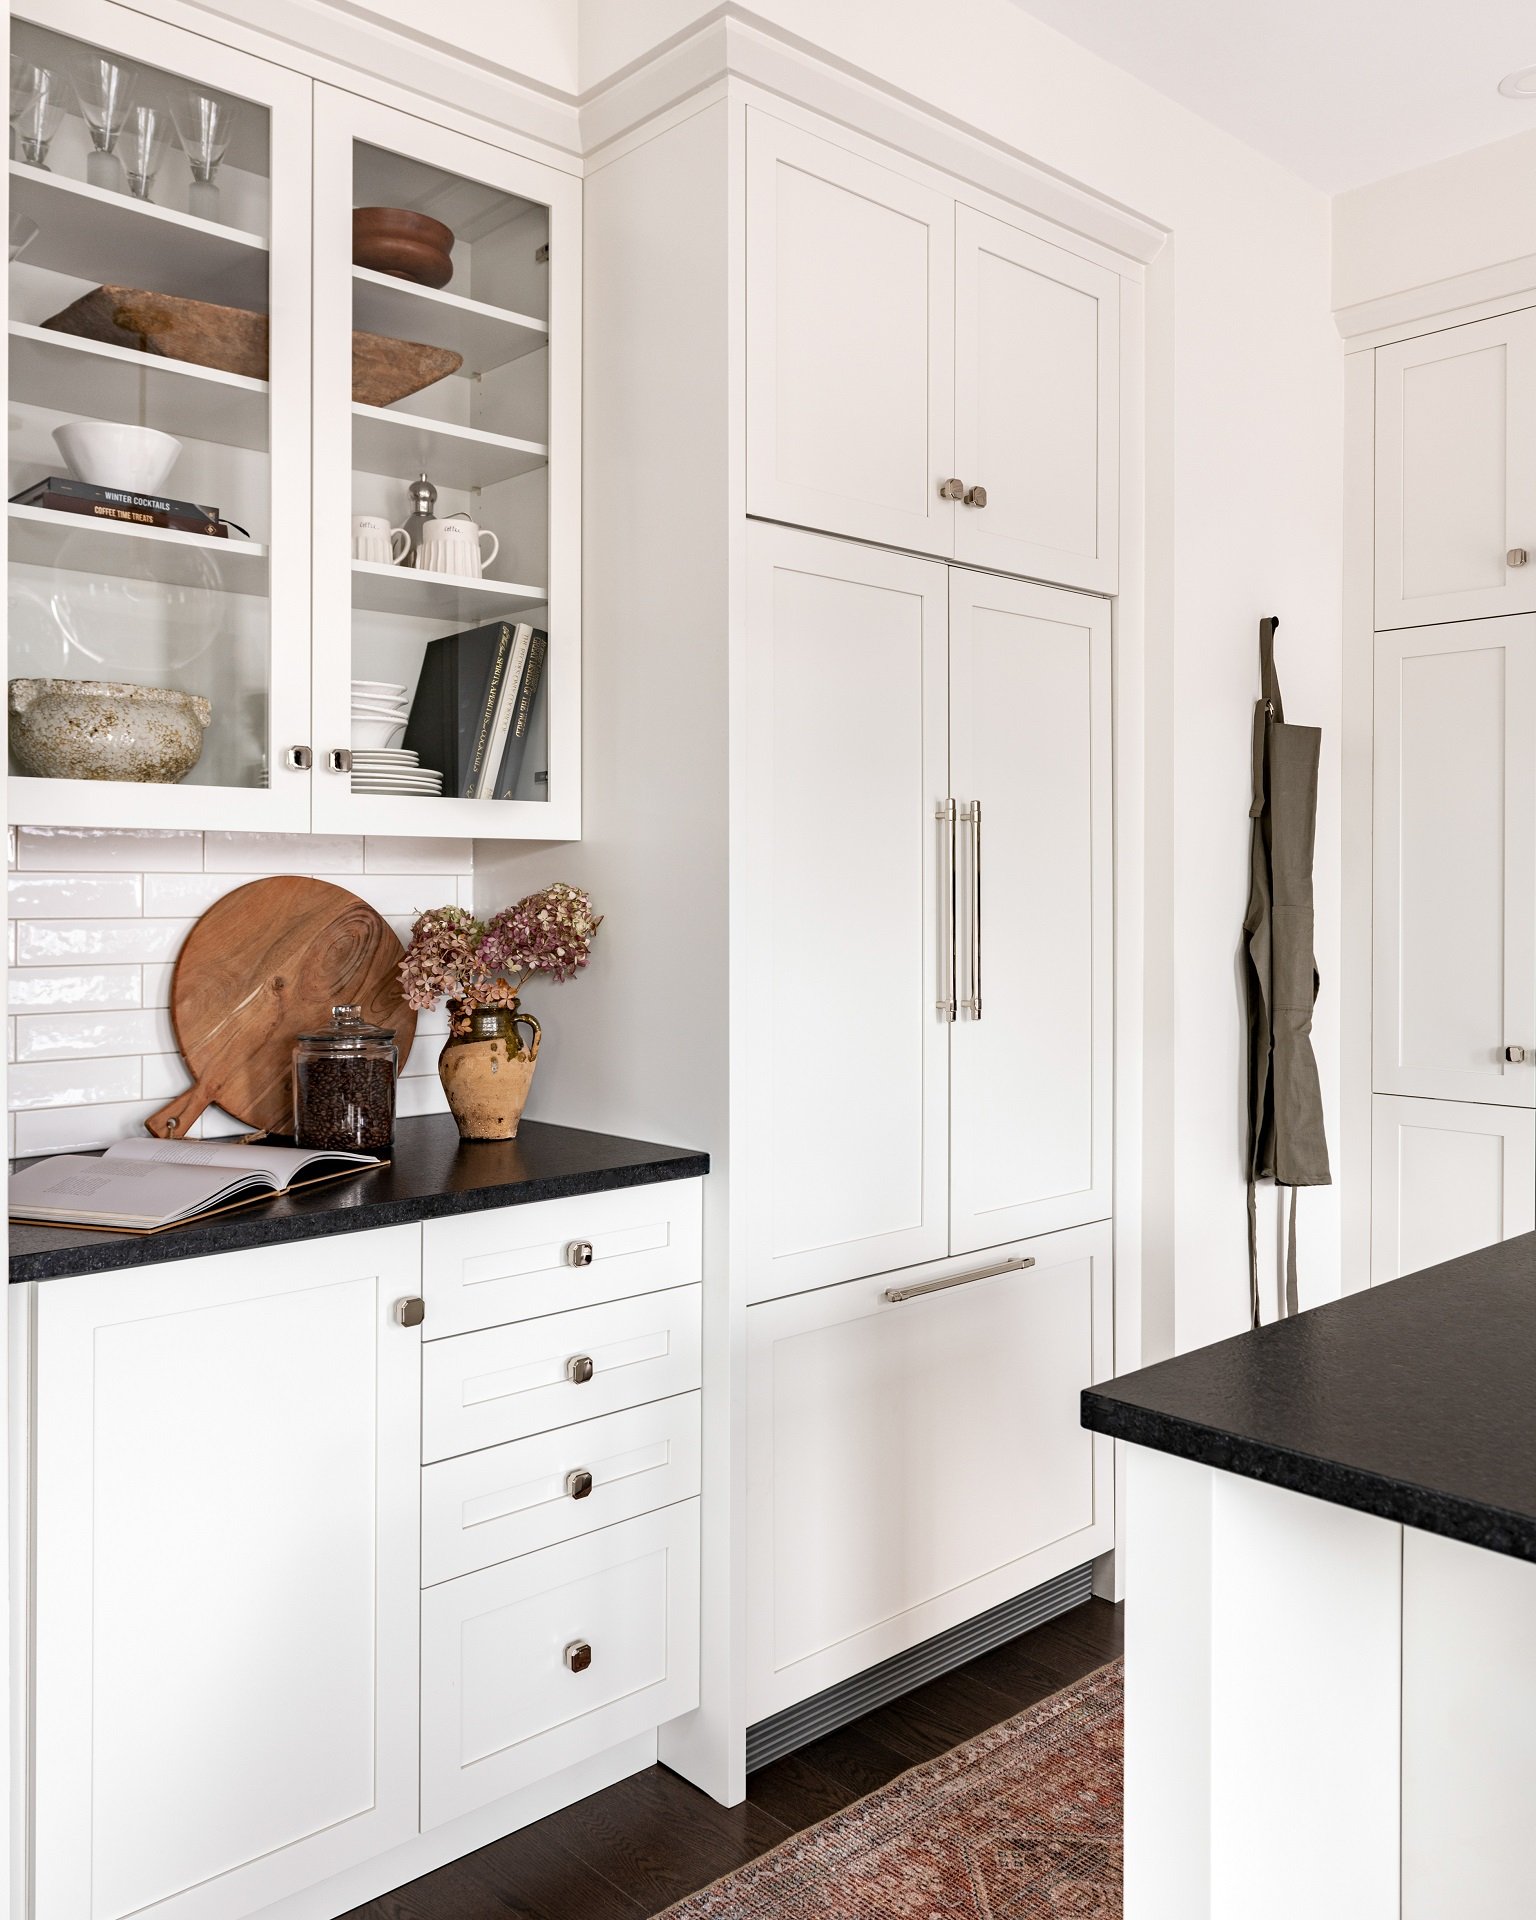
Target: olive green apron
1287	1143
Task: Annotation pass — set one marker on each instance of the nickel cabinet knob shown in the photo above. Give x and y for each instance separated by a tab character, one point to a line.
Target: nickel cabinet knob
579	1254
1516	557
412	1311
952	490
977	497
578	1369
578	1656
299	759
1516	1056
578	1483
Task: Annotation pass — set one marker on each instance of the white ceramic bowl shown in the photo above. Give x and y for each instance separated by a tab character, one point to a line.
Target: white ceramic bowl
376	733
105	453
379	707
105	730
378	686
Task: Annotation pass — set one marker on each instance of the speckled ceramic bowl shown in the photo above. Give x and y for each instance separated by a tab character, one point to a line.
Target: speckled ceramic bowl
105	730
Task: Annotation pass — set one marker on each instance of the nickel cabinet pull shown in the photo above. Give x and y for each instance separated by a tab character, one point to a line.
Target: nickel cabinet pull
897	1294
948	968
971	816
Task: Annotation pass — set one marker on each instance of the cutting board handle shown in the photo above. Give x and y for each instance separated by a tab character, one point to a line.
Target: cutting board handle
176	1119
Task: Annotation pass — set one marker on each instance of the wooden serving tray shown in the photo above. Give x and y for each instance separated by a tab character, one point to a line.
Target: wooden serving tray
234	340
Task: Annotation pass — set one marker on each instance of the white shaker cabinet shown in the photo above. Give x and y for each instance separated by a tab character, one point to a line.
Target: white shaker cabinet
847	770
850	341
929	799
1456	473
1455	862
227	1577
1031	1086
921	373
1447	1177
1037	424
915	1455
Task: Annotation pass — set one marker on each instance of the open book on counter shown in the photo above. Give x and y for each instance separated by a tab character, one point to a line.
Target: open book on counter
144	1186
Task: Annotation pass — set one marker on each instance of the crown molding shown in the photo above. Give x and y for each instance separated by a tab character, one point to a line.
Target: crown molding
733	44
1442	303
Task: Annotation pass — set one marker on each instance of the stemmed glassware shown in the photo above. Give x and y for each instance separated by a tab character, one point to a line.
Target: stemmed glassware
104	89
142	144
37	107
204	124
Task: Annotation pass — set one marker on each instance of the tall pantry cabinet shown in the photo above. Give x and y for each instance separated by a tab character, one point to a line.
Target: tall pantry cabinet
1453	1051
853	463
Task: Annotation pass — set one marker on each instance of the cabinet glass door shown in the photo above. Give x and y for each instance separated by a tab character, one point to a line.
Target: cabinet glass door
157	526
446	569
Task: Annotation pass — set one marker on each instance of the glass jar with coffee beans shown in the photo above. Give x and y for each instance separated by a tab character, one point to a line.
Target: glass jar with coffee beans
344	1085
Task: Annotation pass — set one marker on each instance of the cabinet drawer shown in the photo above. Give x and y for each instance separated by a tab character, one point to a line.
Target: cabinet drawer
504	1501
486	1269
961	1406
486	1388
500	1703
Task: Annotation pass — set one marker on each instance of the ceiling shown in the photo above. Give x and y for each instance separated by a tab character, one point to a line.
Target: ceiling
1339	91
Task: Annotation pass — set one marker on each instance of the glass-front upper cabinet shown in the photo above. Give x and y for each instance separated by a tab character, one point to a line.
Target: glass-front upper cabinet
158	525
447	515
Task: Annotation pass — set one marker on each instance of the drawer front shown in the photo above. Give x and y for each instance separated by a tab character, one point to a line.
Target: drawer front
504	1501
486	1269
484	1389
501	1705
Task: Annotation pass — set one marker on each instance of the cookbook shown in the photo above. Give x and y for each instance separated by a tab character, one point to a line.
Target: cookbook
144	1186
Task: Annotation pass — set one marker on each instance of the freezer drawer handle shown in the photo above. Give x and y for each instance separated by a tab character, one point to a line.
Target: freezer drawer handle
897	1294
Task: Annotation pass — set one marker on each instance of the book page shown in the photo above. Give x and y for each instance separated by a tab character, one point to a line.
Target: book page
129	1191
281	1165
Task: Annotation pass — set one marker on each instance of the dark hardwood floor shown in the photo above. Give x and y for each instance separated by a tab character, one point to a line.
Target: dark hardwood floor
633	1849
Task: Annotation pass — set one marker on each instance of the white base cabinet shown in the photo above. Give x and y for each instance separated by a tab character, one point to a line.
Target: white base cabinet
913	1462
226	1581
1447	1178
271	1648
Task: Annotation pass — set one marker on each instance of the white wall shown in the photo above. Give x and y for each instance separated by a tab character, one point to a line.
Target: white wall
1245	518
1460	215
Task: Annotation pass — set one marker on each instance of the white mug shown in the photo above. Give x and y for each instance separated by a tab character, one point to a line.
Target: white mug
453	546
373	538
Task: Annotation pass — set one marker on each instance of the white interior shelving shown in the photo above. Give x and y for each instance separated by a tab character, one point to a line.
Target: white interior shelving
377	588
455	456
74	543
114	239
99	381
487	336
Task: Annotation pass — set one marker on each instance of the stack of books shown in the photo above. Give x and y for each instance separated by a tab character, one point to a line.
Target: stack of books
60	495
474	706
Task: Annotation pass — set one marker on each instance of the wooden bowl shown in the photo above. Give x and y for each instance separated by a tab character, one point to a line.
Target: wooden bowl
411	246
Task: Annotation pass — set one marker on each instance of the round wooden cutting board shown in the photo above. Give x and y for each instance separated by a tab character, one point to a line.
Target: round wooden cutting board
263	965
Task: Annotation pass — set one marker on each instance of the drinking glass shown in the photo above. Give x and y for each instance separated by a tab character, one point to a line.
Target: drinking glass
37	107
142	144
204	124
104	89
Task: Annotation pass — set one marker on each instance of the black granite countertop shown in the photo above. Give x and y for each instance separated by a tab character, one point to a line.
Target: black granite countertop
431	1173
1415	1401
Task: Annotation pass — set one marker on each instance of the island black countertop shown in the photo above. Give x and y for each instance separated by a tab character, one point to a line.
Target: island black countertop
431	1173
1415	1401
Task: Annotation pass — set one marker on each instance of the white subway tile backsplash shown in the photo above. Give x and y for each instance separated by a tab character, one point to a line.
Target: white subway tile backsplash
72	1083
44	896
97	919
45	942
67	1036
32	987
390	855
72	1129
314	853
108	850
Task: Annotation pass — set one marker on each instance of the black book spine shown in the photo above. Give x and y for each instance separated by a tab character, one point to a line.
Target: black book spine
517	738
483	710
70	488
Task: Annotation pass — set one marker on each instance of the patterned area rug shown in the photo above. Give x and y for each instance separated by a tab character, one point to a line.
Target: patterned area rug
1021	1823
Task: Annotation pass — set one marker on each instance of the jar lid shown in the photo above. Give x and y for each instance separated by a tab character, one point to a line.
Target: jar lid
348	1032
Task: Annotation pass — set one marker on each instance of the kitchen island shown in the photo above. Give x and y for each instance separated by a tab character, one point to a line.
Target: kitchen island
1330	1660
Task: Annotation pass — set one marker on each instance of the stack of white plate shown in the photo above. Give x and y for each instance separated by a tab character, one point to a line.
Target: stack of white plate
392	770
380	709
